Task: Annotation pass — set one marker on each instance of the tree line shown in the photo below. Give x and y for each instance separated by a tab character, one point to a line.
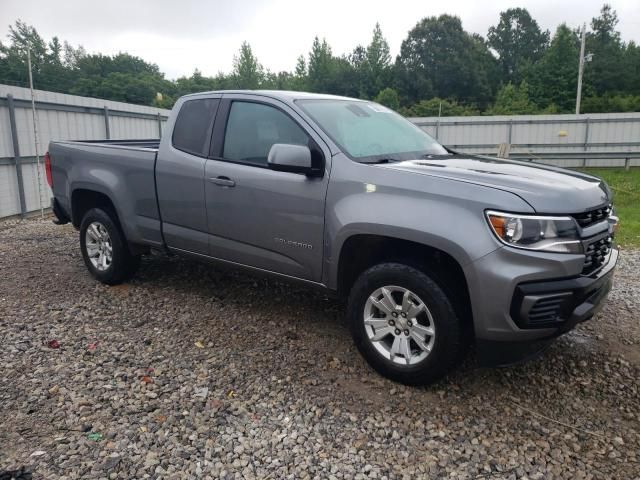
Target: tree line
518	68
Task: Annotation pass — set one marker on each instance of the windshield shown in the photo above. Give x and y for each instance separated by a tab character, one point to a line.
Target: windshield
369	132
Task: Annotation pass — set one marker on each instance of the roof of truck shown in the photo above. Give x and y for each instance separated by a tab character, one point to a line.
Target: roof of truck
279	94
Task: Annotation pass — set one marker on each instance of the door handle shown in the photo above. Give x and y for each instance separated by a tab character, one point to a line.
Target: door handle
222	181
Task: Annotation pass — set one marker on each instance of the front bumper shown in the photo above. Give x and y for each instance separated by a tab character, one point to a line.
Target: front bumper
522	300
562	304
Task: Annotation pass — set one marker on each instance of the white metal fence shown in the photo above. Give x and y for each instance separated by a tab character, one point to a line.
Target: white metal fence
58	117
606	139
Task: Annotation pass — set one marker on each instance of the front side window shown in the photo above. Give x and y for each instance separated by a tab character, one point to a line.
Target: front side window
368	132
192	130
253	128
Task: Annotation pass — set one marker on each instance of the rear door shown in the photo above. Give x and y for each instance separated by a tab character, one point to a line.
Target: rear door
180	174
260	217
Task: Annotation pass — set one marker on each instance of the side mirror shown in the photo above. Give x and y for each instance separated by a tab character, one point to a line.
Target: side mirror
290	158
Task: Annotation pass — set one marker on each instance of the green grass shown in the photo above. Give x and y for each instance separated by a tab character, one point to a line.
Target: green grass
626	199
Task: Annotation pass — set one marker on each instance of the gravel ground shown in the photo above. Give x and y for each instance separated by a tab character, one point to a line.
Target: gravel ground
190	372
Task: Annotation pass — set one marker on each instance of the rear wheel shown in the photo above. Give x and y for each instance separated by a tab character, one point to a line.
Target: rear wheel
404	324
104	248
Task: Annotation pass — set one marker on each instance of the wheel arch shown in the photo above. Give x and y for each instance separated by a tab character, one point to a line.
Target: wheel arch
84	199
361	251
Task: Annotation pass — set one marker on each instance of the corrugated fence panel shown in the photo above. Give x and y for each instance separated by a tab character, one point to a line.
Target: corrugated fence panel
9	199
59	117
607	132
127	128
6	150
32	195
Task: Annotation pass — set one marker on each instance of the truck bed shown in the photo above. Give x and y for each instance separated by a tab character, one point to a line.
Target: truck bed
123	170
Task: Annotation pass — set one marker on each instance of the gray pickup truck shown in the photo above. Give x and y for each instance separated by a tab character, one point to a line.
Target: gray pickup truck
434	250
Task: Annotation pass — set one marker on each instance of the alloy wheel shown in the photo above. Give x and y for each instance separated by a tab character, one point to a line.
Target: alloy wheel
399	325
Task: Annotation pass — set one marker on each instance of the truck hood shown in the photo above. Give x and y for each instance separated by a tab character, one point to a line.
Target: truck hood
547	189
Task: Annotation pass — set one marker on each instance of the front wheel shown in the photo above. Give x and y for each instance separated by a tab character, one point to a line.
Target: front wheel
404	324
104	248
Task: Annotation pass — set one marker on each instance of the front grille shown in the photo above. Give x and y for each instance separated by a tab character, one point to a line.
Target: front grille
545	311
593	216
595	254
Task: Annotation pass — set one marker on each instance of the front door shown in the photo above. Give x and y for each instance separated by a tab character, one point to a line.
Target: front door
260	217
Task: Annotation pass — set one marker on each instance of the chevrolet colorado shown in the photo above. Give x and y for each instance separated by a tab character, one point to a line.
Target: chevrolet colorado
434	250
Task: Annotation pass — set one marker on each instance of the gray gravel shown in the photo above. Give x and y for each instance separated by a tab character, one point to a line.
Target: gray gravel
190	372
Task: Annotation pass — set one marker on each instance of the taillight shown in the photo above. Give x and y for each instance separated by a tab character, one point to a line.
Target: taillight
47	168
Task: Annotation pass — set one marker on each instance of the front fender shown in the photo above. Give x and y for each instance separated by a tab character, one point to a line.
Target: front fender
445	233
440	213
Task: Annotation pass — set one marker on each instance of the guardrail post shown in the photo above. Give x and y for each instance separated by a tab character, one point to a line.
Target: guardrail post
627	163
586	140
160	126
107	130
16	154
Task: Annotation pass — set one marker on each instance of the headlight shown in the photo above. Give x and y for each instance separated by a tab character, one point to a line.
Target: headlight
546	234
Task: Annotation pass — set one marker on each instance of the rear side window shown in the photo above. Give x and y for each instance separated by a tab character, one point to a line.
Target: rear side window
192	130
253	128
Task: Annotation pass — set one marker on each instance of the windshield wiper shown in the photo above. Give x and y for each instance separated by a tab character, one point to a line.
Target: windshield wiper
381	160
437	155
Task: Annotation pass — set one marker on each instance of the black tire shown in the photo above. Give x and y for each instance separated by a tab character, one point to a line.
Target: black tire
448	342
123	264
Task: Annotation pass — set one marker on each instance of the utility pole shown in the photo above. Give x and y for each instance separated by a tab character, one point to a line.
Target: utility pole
35	131
581	68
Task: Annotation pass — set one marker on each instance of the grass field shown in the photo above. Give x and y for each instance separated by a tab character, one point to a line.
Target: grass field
626	189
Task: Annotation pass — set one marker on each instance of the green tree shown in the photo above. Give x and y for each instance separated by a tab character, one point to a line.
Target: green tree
321	67
611	103
163	100
513	100
440	58
329	74
13	56
553	79
358	60
300	79
247	71
518	41
121	77
344	79
199	83
389	98
376	66
438	106
605	73
631	68
72	55
54	55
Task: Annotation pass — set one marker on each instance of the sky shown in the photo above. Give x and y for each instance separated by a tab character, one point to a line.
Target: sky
182	35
